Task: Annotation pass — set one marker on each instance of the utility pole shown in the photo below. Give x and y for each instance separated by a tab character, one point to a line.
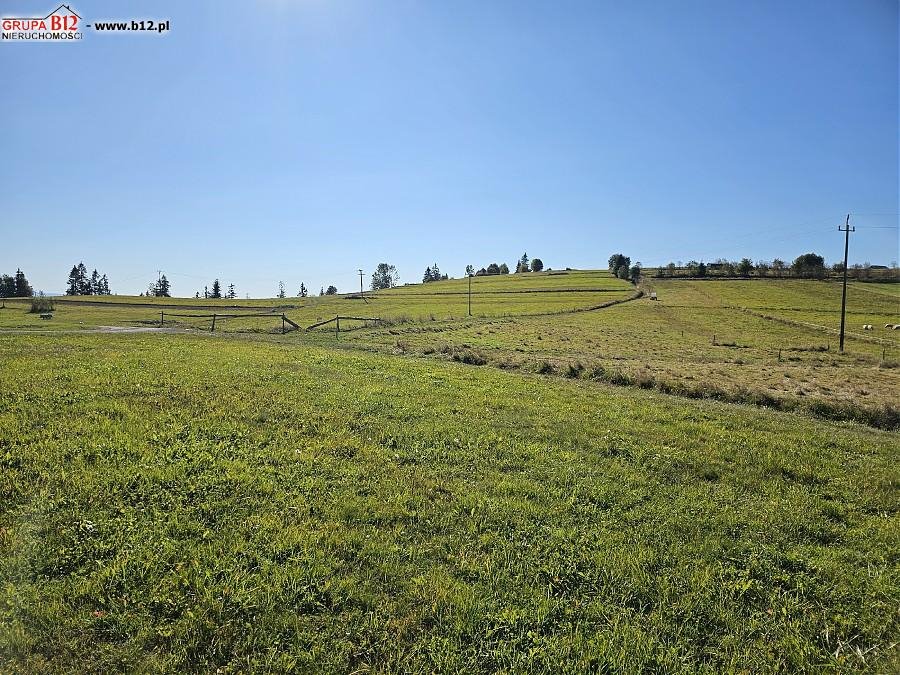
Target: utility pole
362	293
470	294
846	230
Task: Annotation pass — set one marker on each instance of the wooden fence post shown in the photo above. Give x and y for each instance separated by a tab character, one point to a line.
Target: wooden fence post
282	323
161	320
213	329
337	326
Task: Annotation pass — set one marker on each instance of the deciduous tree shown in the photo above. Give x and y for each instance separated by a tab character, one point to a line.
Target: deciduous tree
385	276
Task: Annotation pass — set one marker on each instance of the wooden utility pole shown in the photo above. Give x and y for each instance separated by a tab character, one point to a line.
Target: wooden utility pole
846	230
470	294
362	293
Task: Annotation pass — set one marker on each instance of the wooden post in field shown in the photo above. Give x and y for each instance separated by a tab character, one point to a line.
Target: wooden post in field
161	320
282	324
337	326
213	329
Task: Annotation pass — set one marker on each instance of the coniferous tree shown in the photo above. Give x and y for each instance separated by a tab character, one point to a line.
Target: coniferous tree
427	276
23	288
72	285
162	288
94	283
104	285
504	268
281	289
84	287
303	292
216	290
322	291
231	293
470	270
523	266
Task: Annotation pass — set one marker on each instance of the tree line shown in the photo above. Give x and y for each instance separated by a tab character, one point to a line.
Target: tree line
806	266
522	265
80	283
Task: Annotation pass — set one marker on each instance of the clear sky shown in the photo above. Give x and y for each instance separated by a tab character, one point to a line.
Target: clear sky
299	140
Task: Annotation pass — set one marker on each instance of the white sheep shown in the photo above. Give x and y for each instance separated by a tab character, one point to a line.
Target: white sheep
867	326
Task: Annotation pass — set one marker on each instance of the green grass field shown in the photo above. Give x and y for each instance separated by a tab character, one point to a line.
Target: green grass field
250	501
509	295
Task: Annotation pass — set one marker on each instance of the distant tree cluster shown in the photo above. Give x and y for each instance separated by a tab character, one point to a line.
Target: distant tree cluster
493	268
331	290
523	265
217	293
433	273
621	267
806	266
15	286
80	283
160	288
536	265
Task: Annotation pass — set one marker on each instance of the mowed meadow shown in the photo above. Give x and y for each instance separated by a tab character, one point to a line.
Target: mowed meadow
509	295
574	479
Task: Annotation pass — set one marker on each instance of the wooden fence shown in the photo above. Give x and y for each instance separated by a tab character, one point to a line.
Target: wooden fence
337	322
285	322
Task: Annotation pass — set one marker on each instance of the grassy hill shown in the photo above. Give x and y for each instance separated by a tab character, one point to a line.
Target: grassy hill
506	295
247	500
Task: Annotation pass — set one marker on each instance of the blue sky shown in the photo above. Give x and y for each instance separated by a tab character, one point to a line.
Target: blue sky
301	140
